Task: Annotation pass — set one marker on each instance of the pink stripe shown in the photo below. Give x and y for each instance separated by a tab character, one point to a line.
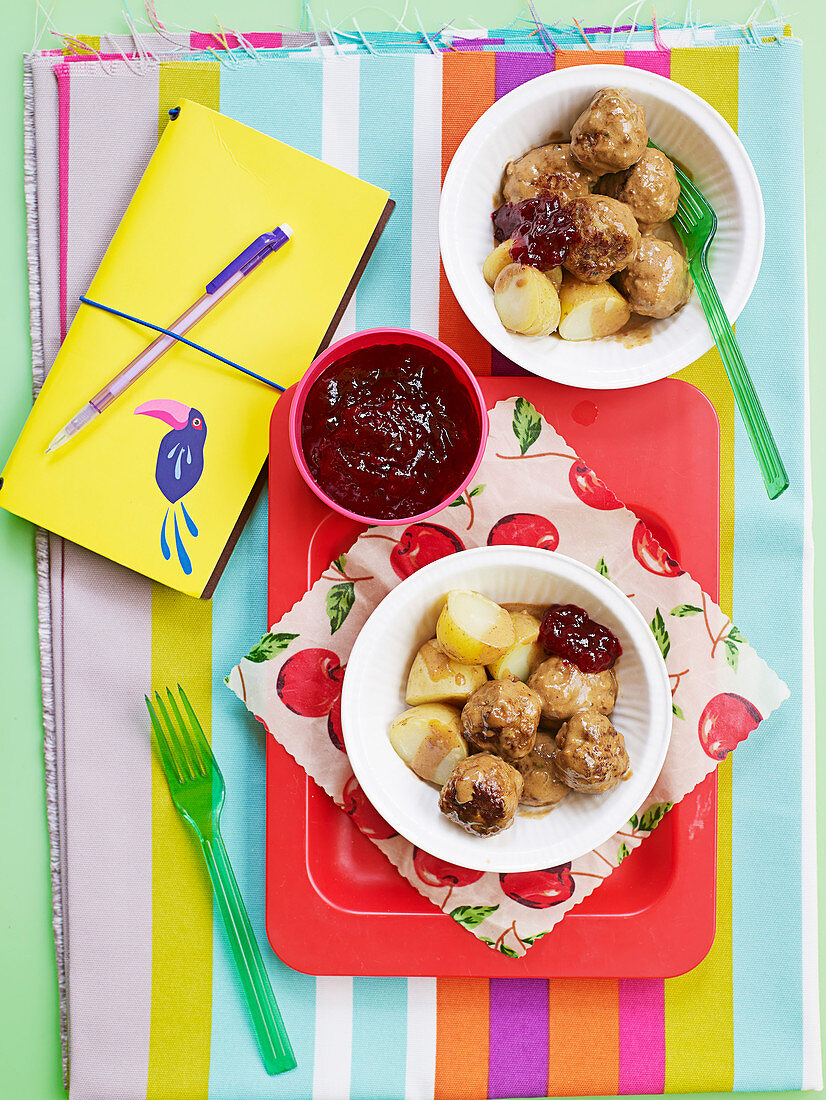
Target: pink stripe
653	61
62	72
641	1036
198	40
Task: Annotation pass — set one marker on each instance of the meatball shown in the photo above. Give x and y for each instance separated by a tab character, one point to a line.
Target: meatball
564	689
608	238
502	717
482	794
650	188
656	283
548	168
543	787
590	753
610	135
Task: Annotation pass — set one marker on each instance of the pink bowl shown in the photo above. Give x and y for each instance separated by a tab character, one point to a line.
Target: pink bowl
373	338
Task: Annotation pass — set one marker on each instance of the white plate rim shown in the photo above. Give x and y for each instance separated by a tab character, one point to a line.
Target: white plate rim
488	859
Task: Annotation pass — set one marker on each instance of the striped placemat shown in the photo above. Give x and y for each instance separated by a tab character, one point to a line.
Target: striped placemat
154	1004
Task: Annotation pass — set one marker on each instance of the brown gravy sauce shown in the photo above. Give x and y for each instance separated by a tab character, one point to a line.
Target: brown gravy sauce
635	332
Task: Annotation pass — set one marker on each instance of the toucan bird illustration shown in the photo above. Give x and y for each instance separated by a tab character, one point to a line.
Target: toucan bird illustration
179	466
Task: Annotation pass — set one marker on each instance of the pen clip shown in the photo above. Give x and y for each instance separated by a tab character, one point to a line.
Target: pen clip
252	255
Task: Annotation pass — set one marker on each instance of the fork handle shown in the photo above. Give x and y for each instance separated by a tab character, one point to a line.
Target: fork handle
266	1017
757	427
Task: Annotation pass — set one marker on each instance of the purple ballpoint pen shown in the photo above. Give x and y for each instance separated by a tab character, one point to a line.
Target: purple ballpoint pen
224	282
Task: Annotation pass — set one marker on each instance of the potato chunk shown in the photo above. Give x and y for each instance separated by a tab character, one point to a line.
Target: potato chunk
590	309
526	300
436	678
429	740
497	261
525	654
473	629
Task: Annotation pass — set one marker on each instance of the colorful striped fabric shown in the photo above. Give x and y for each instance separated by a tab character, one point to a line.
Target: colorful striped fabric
155	1004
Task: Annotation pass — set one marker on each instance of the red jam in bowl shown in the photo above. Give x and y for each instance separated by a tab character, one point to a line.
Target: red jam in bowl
388	430
568	631
542	229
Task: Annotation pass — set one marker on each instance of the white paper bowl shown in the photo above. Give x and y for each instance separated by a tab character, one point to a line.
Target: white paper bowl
685	127
373	694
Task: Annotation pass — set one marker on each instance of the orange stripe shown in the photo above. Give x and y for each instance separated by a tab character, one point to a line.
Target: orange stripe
462	1024
583	1047
566	59
468	89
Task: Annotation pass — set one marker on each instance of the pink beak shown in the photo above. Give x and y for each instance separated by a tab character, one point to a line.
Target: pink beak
173	413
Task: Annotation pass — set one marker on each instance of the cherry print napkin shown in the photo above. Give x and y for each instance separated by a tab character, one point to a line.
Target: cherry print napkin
721	688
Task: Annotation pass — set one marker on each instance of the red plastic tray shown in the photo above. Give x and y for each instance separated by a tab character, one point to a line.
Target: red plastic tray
334	904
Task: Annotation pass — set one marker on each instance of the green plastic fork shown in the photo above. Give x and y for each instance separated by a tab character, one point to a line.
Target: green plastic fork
696	224
197	789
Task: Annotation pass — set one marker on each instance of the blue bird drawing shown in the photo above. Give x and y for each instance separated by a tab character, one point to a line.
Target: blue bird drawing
179	467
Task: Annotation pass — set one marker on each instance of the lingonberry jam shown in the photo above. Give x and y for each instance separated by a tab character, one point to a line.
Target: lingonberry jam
568	631
387	430
543	231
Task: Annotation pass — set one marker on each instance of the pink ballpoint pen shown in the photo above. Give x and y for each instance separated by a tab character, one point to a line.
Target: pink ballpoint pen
215	291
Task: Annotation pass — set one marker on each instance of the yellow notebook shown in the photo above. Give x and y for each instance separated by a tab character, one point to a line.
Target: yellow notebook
212	186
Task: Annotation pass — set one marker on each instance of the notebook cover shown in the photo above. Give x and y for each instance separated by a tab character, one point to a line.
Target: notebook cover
211	187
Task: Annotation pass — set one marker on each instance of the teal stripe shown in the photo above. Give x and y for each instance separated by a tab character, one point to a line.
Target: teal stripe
386	159
768	547
284	102
379	1038
236	1072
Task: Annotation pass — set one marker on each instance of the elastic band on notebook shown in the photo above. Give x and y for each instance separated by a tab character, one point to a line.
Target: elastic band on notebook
183	340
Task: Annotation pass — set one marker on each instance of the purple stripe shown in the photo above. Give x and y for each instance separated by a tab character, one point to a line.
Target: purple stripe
470	44
653	61
513	69
641	1036
501	365
518	1058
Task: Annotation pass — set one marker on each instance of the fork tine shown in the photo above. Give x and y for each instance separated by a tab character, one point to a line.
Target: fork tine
691	203
170	764
183	737
181	757
197	729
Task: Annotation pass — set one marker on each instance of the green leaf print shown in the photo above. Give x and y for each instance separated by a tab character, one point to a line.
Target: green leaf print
339	601
735	636
463	499
471	916
677	711
509	951
624	851
602	569
685	610
527	424
660	633
528	940
653	816
270	646
339	563
732	653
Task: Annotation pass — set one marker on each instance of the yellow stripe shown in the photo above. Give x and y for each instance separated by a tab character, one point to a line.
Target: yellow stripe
709	1043
181	1016
199	81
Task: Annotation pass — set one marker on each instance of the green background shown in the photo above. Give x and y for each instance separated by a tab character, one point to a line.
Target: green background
29	1041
